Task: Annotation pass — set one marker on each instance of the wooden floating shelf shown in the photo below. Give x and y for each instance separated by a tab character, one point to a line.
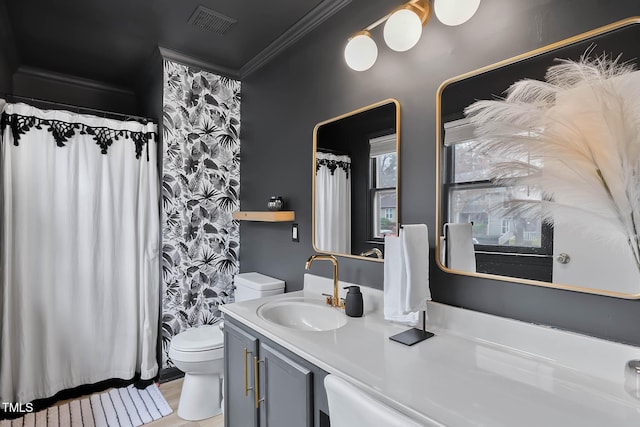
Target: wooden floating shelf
265	216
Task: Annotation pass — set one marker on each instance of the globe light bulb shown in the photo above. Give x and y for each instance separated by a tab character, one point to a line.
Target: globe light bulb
455	12
361	52
402	30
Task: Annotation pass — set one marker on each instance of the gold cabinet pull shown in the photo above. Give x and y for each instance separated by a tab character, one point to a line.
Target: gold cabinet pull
246	372
256	381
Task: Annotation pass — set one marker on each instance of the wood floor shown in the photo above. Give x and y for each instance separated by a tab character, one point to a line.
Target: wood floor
171	392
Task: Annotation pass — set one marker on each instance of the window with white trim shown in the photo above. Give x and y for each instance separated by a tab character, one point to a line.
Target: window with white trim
382	187
473	197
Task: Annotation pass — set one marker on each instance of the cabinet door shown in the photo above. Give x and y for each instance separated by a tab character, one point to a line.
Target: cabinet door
286	390
240	348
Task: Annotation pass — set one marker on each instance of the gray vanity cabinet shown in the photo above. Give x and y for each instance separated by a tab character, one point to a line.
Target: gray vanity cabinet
239	394
286	391
290	389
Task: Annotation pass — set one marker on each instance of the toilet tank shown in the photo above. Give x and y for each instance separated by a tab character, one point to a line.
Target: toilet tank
255	285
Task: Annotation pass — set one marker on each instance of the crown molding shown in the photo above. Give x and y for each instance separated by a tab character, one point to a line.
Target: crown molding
72	80
199	63
310	21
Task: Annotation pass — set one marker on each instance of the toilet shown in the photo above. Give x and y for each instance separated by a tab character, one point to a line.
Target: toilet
199	353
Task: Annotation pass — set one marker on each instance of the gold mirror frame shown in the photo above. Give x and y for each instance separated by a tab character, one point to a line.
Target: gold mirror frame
439	143
313	171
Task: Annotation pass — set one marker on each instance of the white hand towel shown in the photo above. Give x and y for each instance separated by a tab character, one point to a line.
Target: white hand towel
415	245
460	252
443	251
395	282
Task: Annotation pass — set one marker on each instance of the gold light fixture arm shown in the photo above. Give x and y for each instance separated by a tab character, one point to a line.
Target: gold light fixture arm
422	8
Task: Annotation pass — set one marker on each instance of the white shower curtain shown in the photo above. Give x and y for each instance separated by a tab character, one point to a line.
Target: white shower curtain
333	202
79	285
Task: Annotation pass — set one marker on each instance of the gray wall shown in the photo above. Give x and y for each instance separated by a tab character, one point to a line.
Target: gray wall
5	71
149	89
8	55
310	82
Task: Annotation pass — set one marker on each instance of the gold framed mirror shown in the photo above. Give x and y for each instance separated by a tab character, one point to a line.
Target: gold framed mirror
355	182
495	243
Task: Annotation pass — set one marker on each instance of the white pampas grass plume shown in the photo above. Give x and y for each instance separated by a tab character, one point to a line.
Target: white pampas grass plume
575	138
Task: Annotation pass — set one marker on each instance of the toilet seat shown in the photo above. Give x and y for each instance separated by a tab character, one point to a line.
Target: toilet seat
198	344
196	356
201	338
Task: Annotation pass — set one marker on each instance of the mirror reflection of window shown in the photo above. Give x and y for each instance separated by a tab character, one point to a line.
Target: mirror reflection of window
500	226
383	176
494	222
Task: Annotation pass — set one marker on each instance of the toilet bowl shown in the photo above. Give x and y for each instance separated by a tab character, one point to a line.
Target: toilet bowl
199	353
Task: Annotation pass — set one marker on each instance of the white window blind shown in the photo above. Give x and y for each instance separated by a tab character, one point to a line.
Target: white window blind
382	145
458	131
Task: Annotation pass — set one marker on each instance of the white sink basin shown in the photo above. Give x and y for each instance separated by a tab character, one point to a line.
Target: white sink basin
303	314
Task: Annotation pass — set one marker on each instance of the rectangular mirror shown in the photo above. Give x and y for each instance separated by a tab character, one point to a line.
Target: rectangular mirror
499	243
355	181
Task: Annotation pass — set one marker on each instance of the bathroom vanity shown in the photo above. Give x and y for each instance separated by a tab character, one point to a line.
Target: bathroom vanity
478	369
268	384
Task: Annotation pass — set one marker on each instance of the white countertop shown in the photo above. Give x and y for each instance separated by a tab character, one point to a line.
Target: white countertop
479	370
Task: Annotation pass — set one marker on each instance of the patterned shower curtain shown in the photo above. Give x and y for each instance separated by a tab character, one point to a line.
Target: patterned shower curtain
200	190
79	251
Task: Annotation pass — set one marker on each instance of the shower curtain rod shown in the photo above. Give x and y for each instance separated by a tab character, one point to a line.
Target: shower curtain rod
76	108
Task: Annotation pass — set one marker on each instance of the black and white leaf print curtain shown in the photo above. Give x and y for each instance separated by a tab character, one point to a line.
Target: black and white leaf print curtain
79	251
200	186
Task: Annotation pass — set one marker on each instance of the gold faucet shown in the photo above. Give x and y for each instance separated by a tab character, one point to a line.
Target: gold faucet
374	251
333	301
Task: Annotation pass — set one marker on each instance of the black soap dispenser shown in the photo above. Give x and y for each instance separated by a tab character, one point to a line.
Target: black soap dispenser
353	305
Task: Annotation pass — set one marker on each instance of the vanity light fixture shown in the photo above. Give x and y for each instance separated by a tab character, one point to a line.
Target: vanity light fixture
403	28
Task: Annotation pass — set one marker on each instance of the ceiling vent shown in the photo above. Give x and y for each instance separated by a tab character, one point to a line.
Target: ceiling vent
211	21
